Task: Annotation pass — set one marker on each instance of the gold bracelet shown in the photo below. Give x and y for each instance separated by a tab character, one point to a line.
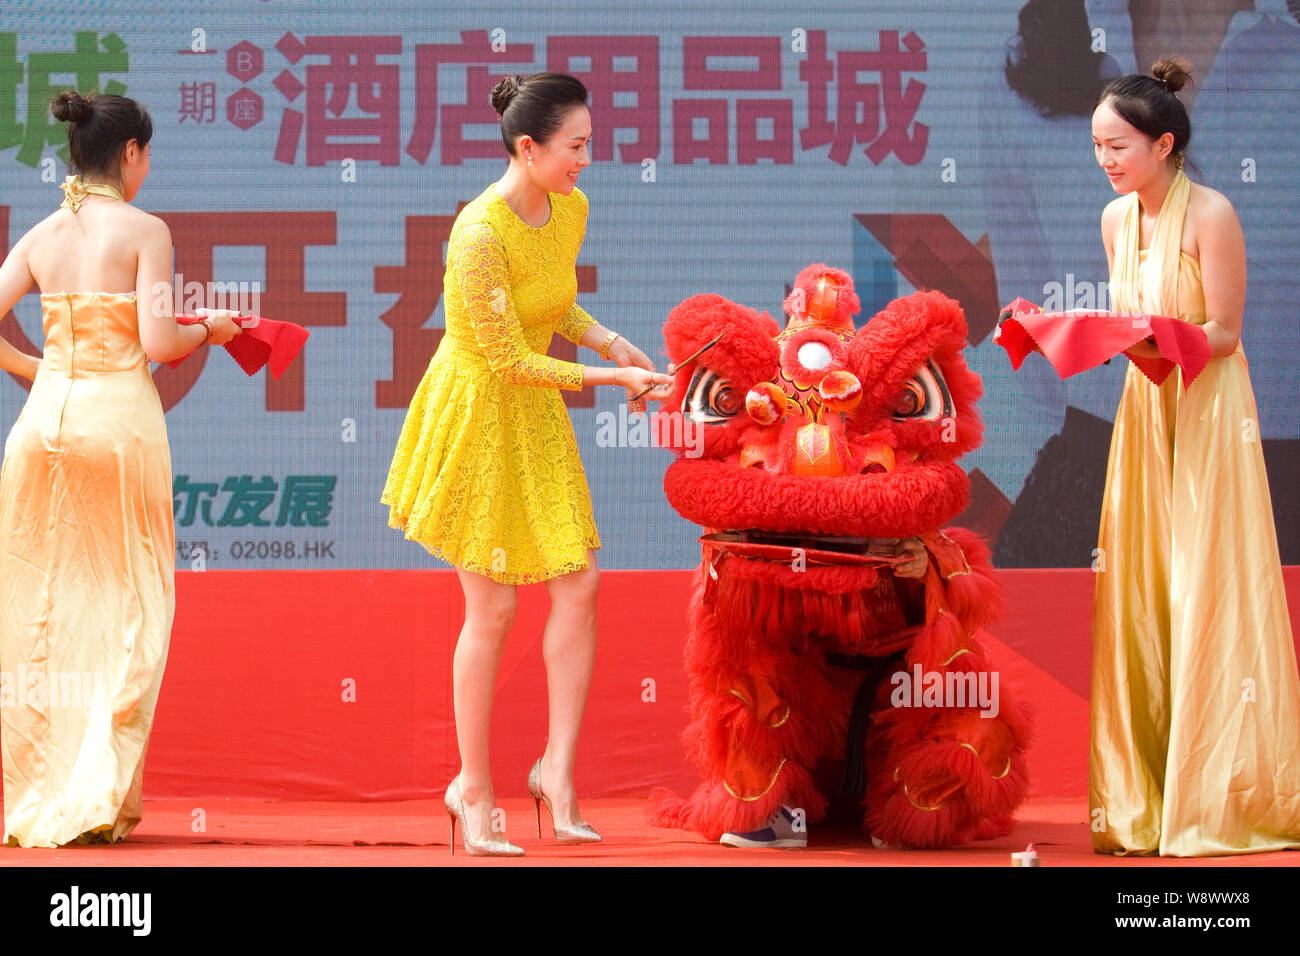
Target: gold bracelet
207	324
604	346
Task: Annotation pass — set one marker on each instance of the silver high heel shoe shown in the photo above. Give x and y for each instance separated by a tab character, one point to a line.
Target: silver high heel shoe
564	833
456	812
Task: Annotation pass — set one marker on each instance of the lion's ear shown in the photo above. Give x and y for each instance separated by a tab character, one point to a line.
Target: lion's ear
909	359
901	338
745	354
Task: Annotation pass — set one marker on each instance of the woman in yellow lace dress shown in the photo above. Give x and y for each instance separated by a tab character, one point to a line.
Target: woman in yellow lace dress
87	545
1195	695
486	474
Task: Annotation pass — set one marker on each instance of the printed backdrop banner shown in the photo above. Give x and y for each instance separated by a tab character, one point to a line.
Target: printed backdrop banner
310	159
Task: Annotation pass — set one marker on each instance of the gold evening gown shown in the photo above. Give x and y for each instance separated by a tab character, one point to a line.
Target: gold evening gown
1195	696
86	577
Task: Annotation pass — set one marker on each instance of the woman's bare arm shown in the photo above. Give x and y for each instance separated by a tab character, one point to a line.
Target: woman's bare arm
1222	250
15	282
162	338
1110	220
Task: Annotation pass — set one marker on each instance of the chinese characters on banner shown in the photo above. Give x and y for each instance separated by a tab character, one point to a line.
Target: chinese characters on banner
305	500
92	55
305	503
338	98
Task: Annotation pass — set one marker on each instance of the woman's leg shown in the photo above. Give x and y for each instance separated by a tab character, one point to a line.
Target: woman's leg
489	614
569	649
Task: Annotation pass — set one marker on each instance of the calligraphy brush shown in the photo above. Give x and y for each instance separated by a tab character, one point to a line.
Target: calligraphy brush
686	361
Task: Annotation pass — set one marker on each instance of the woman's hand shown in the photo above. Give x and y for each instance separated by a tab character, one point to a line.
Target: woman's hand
918	561
637	379
18	363
225	325
1144	349
626	355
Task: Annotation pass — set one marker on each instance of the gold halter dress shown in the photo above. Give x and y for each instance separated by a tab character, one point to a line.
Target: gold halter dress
87	559
1195	696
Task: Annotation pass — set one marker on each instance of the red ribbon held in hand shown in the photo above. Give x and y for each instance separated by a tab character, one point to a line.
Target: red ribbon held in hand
262	342
1076	341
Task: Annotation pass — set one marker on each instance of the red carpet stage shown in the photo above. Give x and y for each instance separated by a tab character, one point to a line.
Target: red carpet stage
306	720
414	833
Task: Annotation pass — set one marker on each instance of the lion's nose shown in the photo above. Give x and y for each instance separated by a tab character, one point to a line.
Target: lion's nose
814	452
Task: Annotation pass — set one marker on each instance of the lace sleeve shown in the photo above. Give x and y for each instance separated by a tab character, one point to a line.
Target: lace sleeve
574	323
479	262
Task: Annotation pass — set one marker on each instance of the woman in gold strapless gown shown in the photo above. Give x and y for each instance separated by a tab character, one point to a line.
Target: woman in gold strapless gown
87	553
1195	695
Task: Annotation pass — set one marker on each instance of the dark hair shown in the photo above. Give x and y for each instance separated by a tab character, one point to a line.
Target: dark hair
535	105
1148	103
1050	62
99	127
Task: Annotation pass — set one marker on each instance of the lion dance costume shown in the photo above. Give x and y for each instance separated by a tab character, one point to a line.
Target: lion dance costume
819	449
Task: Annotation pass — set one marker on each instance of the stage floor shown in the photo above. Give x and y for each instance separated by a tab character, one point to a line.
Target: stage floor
415	833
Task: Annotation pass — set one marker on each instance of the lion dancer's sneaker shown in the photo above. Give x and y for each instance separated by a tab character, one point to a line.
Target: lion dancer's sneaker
778	831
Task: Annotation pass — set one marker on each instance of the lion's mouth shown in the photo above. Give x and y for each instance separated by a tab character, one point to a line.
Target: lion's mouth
825	548
878	458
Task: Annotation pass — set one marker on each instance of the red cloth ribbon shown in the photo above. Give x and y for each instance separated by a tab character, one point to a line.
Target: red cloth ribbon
262	342
1076	341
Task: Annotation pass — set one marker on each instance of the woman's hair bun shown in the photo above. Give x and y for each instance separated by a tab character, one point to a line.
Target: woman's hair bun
71	107
504	93
1173	72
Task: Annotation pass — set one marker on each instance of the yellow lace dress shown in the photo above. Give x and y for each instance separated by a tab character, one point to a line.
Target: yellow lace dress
87	562
486	474
1195	696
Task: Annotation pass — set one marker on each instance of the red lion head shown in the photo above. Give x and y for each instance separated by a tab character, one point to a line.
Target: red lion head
818	429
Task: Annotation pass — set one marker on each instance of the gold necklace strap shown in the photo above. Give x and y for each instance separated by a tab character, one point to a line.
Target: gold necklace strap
75	192
103	189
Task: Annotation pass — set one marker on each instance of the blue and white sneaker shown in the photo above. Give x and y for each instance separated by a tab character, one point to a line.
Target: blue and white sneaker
777	831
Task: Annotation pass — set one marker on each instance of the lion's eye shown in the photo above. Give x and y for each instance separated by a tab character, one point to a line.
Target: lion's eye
725	399
910	400
710	399
925	397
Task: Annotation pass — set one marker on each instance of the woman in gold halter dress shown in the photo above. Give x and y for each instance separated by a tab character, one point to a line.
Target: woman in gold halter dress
87	553
1195	696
